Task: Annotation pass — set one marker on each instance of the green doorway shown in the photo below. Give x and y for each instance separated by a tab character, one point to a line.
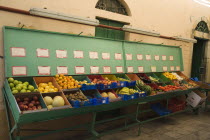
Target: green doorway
198	60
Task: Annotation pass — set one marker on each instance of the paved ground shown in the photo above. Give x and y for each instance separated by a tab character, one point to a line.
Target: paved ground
184	126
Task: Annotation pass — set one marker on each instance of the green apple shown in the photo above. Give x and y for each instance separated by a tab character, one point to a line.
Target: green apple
13	88
24	87
26	83
16	82
11	85
19	85
31	88
14	91
18	88
22	91
28	91
20	82
10	80
36	90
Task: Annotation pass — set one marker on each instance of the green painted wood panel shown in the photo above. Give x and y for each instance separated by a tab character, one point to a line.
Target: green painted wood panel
33	39
153	49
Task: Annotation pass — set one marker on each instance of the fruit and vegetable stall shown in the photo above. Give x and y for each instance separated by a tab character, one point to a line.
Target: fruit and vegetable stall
53	75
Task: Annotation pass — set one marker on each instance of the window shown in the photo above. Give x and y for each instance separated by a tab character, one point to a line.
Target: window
112	6
202	27
110	33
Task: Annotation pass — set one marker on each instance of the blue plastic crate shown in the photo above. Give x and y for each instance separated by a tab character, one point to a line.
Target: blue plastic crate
123	83
136	95
132	83
142	94
160	109
99	101
114	85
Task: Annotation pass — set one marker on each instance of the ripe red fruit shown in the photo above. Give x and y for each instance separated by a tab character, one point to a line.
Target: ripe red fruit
26	99
31	105
35	98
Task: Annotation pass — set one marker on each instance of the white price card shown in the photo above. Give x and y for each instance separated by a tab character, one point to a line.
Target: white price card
93	55
139	57
164	57
44	70
177	68
19	70
129	57
171	57
140	69
119	69
157	57
153	68
165	68
105	55
79	69
172	68
61	53
148	57
107	69
118	56
94	69
78	54
42	52
130	69
18	52
62	70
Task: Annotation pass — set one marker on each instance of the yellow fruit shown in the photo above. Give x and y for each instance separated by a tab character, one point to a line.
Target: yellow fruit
49	83
56	90
51	90
56	75
60	78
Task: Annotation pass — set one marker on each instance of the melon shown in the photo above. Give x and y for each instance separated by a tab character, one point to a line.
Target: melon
58	101
48	100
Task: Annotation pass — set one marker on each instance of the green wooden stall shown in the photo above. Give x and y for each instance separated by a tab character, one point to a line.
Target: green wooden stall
30	53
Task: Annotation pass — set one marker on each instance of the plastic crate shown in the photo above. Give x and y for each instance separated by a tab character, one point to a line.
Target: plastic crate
101	86
159	109
84	86
144	77
96	97
110	90
144	94
175	105
125	83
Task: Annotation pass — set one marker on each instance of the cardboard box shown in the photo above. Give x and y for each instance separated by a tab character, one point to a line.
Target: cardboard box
195	98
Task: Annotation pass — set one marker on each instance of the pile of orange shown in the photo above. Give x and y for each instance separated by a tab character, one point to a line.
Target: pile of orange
66	82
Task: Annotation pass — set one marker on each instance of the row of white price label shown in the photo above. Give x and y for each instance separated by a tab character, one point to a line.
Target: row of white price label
21	52
46	70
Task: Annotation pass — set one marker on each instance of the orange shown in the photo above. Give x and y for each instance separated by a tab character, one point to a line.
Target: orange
56	75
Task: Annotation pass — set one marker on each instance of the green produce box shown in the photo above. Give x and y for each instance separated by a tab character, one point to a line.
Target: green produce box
110	77
164	79
30	80
122	76
22	98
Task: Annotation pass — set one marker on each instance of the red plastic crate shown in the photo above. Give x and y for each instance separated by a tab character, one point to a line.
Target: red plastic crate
176	105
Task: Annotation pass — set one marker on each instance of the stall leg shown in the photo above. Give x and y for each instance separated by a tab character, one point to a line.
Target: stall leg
137	114
92	127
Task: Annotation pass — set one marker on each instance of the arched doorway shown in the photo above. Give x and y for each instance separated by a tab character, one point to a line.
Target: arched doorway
198	60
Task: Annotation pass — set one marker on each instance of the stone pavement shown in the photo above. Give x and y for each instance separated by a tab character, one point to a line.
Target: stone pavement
184	126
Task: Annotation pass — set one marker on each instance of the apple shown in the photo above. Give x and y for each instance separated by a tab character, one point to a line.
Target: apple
35	98
20	82
18	88
31	105
28	91
15	91
10	80
11	85
13	88
36	90
26	83
24	87
26	99
31	88
18	99
23	91
16	82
